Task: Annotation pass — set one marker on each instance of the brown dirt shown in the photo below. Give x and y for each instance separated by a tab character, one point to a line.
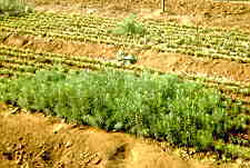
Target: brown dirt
219	69
166	62
203	12
33	140
62	47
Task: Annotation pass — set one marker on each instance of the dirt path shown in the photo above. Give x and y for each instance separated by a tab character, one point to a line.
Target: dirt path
32	140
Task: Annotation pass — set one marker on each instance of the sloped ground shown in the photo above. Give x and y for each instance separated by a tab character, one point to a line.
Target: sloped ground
201	13
32	140
166	62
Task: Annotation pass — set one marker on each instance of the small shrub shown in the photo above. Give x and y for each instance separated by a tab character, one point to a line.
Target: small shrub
129	27
13	7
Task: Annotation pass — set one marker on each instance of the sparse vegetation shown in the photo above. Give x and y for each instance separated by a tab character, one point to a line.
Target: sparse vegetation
163	37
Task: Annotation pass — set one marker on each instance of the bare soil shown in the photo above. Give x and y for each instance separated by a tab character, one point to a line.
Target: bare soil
165	62
206	13
33	140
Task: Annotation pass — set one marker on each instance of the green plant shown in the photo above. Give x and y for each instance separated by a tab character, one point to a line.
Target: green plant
164	37
183	113
129	27
13	7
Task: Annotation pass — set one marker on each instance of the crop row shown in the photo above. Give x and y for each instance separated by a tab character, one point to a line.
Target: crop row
11	51
50	20
28	61
45	57
164	47
90	20
26	55
165	37
18	65
183	113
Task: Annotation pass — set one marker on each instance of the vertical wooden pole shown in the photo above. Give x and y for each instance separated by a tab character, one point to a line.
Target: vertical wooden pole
163	5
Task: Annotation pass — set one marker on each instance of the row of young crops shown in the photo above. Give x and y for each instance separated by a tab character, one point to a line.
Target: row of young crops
158	35
188	111
14	60
168	107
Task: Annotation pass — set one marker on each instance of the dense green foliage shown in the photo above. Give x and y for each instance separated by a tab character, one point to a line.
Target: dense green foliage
16	61
13	7
185	114
129	27
164	107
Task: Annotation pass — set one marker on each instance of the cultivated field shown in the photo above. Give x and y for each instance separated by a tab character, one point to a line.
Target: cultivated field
111	83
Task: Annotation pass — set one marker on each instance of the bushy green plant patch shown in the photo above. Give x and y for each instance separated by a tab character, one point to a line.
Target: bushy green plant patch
183	113
129	27
13	7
